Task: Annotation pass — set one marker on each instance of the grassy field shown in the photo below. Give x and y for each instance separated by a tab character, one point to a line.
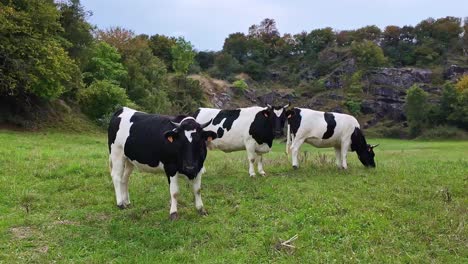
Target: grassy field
57	204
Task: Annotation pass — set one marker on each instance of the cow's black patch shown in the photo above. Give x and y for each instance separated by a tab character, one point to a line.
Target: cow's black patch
363	150
331	124
113	128
220	132
261	129
230	115
196	113
294	120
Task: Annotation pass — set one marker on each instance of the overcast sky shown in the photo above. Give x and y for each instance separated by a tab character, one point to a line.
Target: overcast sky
206	23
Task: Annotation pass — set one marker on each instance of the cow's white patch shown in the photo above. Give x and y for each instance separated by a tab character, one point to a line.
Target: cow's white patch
278	112
188	134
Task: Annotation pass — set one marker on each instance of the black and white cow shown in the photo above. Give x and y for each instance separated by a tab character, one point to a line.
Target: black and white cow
323	130
252	129
151	142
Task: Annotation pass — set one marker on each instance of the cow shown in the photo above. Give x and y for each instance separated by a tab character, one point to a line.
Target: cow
153	142
327	129
252	129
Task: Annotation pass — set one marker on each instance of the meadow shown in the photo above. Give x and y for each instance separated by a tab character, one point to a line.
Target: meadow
57	205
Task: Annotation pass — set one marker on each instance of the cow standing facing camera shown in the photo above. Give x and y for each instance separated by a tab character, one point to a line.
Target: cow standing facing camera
252	129
323	130
152	142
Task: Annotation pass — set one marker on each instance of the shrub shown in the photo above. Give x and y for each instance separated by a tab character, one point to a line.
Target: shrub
101	98
240	84
354	107
416	109
444	132
462	84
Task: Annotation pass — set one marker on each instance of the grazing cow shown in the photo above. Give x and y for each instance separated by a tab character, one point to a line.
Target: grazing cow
252	129
322	130
150	142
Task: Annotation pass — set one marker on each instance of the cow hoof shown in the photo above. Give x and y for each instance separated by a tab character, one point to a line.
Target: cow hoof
174	216
202	212
252	175
295	167
121	206
263	173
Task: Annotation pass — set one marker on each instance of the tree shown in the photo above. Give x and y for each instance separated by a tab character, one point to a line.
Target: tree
117	37
183	56
76	29
104	64
161	47
370	33
226	64
102	97
368	54
416	109
237	45
319	39
33	61
205	59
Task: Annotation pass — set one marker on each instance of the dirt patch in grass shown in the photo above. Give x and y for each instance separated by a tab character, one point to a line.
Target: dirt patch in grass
23	232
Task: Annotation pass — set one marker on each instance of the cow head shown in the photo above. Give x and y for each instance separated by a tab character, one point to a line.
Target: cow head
366	156
189	140
277	117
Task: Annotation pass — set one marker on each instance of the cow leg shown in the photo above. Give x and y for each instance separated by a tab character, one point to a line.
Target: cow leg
117	170
124	183
344	153
338	156
196	185
260	165
251	157
174	190
295	151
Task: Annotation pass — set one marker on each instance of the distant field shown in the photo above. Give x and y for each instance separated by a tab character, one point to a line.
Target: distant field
57	204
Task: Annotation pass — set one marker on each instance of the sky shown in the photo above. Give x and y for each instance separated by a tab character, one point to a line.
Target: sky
206	23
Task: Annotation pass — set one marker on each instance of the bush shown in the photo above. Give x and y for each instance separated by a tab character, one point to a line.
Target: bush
101	98
240	84
416	109
444	132
354	107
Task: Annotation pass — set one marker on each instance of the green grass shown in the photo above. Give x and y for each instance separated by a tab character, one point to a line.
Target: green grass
57	204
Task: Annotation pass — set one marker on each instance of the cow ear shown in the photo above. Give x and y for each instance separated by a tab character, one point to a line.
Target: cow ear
170	135
209	135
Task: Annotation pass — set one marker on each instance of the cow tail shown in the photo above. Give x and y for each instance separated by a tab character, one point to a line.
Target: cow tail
288	140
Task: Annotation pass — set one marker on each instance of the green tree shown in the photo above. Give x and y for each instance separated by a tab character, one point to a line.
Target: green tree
416	109
161	47
76	29
104	64
32	58
368	54
205	59
225	65
101	98
183	56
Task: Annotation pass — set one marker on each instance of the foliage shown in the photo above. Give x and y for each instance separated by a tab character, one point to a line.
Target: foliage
354	107
240	84
104	64
368	54
225	65
205	59
33	60
185	94
117	37
182	56
76	30
101	98
444	132
462	84
162	47
416	109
